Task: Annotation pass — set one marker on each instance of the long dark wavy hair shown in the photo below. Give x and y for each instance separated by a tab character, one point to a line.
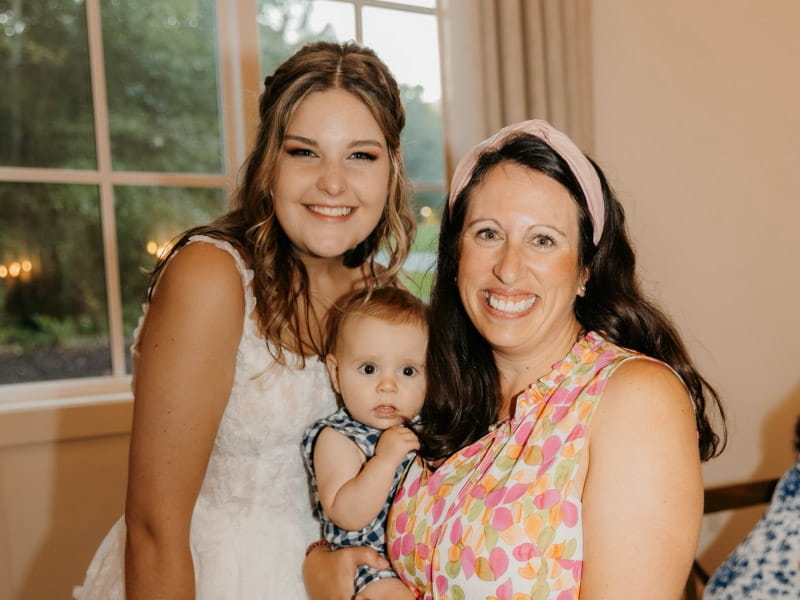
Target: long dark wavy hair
280	279
463	381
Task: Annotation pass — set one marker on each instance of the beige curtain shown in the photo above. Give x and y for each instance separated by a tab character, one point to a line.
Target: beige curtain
508	60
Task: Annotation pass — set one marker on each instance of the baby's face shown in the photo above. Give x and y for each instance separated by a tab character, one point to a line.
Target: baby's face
379	369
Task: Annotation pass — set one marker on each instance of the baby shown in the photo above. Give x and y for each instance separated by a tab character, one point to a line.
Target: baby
356	456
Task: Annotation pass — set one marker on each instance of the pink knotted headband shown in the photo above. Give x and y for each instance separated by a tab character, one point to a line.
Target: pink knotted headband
580	166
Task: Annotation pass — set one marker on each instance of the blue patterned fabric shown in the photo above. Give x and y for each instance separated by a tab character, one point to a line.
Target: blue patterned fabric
374	534
766	564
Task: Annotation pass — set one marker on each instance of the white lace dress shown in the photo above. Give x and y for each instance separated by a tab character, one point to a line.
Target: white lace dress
253	517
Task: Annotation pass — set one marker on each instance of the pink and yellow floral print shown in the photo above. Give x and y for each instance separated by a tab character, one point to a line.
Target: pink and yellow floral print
501	519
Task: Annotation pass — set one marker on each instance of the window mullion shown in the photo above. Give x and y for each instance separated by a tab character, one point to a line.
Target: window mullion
230	65
359	23
250	64
108	218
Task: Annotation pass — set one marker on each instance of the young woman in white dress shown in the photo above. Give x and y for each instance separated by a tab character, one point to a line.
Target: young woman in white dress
226	371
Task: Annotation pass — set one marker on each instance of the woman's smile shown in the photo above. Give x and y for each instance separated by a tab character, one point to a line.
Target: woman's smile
509	304
330	211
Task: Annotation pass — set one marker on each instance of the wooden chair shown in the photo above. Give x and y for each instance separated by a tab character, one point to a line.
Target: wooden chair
728	497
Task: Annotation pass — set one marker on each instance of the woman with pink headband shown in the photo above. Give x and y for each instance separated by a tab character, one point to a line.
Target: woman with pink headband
565	423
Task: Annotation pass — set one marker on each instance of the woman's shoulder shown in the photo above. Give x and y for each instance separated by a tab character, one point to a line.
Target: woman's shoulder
197	304
202	270
644	396
631	367
642	379
203	260
639	386
222	245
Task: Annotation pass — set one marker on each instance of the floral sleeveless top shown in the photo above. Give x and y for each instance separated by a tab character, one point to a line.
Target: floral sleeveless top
501	519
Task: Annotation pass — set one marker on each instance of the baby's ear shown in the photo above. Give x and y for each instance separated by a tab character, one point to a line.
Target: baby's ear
333	371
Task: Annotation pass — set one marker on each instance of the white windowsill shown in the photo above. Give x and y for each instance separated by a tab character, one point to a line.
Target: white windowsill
64	411
27	397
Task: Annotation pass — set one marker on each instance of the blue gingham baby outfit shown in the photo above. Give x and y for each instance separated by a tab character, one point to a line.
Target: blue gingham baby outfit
374	534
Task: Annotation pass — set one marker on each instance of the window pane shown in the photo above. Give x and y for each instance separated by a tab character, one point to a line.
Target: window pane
163	88
53	319
415	65
421	261
428	206
148	218
285	26
46	99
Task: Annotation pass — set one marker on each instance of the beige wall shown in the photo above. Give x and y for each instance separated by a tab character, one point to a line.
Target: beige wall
62	485
698	127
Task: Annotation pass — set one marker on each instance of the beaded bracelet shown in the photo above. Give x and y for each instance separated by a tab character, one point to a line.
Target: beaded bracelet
318	544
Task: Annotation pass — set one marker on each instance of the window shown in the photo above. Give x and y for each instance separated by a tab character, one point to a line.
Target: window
127	125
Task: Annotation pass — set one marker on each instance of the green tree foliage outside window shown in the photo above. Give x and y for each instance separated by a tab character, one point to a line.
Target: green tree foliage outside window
162	85
46	104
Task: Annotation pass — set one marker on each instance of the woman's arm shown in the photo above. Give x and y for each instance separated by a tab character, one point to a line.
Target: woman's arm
184	376
643	497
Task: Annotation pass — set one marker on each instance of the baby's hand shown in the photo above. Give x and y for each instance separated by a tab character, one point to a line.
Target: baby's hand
395	443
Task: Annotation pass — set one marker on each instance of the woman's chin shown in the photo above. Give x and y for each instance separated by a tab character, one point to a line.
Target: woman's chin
325	250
